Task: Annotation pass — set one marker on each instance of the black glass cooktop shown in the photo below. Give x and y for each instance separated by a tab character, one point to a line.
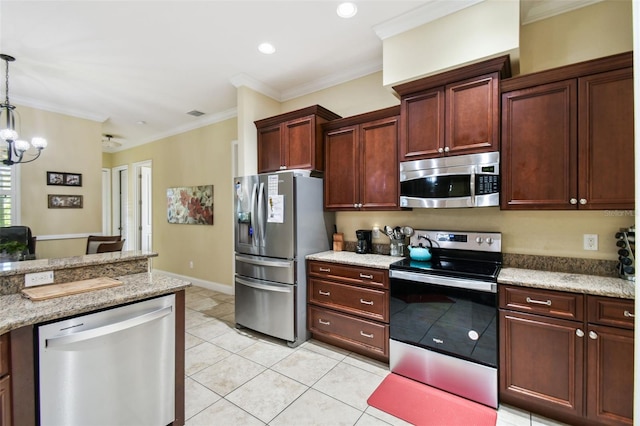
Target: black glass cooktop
455	263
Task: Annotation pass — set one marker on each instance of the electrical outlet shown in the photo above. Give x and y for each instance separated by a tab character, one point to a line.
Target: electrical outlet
38	278
591	241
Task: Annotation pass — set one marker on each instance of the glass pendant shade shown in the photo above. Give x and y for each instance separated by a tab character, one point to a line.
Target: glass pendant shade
8	134
39	143
21	145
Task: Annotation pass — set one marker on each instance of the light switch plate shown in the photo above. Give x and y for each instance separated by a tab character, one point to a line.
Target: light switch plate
38	278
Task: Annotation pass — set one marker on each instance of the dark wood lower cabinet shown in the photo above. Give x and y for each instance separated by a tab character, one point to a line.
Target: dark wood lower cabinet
578	370
5	401
349	307
541	364
610	375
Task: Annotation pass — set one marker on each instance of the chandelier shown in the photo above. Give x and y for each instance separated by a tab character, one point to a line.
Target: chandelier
16	147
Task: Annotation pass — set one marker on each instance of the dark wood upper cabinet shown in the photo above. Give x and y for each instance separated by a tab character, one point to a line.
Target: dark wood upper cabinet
362	168
292	140
453	113
567	137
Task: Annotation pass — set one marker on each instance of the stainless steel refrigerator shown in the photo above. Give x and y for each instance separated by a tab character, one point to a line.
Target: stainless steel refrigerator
279	220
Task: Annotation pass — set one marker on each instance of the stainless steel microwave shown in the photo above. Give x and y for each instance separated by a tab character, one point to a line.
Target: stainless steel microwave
471	180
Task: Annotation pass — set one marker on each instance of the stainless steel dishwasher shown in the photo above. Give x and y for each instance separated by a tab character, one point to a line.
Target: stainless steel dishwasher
113	367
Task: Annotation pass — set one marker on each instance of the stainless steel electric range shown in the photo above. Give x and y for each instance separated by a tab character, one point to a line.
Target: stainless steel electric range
443	322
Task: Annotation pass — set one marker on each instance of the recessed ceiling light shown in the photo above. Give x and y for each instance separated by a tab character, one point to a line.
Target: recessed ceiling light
141	122
347	10
266	48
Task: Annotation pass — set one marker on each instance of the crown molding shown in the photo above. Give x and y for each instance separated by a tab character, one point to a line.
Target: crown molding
532	11
240	80
31	103
434	9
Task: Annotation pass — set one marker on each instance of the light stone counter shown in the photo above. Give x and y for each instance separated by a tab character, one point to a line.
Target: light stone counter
39	265
575	283
379	261
17	311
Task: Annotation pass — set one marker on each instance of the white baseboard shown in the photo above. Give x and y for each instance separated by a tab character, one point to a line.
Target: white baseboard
222	288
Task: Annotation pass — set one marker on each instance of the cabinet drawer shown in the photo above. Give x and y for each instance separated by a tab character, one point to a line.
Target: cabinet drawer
350	274
608	311
350	329
367	302
545	302
4	354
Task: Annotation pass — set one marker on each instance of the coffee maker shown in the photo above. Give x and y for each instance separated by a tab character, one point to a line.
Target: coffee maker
364	241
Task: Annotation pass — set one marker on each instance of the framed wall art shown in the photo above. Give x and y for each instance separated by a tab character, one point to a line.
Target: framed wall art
57	201
64	179
190	205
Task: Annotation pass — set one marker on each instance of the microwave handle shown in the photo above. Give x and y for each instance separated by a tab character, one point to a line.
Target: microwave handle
472	186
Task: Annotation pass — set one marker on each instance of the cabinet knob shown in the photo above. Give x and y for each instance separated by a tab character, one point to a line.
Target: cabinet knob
573	201
446	149
359	205
583	201
579	333
593	335
283	167
355	206
440	150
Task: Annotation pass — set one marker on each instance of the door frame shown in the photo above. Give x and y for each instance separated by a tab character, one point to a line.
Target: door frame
118	182
107	225
137	203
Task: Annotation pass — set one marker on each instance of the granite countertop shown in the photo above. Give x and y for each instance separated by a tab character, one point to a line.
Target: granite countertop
18	311
379	261
575	283
39	265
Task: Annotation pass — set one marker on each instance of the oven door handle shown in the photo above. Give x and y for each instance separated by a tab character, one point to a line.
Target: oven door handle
483	286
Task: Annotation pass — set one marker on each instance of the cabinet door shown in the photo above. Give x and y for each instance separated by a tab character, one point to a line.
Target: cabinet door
379	168
539	147
298	143
5	401
605	134
472	115
341	182
269	149
541	364
610	375
422	128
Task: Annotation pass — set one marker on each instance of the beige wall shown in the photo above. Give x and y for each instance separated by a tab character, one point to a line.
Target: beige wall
484	30
591	32
198	157
74	145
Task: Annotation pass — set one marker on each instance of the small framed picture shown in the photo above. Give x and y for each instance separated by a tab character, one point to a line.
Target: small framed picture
64	179
57	201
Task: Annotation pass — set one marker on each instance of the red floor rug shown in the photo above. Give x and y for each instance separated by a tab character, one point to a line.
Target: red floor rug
424	405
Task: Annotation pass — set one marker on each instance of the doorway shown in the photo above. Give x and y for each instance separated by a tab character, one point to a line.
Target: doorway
120	204
143	206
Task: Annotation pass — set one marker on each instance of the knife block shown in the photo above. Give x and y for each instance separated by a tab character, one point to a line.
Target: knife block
338	241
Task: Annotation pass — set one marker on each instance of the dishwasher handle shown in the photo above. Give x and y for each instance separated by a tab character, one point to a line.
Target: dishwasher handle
108	329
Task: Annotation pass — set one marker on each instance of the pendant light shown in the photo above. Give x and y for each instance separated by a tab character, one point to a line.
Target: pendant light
16	147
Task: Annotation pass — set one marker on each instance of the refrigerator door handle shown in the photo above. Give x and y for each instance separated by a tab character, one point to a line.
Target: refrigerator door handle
253	224
274	288
271	263
261	217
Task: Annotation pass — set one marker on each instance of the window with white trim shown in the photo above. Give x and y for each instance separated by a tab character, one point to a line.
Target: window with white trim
8	193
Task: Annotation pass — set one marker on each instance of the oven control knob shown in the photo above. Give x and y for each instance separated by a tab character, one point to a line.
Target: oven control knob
489	240
473	335
479	240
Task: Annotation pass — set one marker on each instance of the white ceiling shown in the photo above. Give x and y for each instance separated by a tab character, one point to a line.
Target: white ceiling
122	62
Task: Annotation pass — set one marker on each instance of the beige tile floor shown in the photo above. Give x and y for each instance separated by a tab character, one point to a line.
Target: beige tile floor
240	377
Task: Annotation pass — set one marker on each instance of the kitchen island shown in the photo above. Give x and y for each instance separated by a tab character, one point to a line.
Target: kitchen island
20	315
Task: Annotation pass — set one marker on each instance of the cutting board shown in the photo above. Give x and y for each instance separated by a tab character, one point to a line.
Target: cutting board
51	291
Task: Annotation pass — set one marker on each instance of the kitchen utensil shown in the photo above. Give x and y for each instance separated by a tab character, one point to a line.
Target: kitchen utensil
389	231
397	233
407	231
